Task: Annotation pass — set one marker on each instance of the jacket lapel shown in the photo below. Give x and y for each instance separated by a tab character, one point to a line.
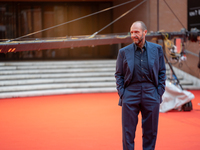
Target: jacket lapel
129	53
151	54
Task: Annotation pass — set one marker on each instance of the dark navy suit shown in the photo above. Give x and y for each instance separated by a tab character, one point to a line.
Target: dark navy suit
144	96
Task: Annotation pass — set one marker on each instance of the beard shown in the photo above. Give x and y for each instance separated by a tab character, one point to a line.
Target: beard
139	40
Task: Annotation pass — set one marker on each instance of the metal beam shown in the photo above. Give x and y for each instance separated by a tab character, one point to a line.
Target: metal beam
77	41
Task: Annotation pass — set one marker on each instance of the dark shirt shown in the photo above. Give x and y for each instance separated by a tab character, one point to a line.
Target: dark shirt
141	72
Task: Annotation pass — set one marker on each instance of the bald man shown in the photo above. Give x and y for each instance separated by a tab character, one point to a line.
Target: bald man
140	80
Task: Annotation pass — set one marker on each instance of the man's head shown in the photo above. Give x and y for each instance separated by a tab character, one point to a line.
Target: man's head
138	31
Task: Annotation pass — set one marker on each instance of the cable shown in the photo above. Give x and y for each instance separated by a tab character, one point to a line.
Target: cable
117	19
191	53
174	14
71	21
168	45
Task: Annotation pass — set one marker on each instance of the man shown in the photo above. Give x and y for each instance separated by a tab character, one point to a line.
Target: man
140	79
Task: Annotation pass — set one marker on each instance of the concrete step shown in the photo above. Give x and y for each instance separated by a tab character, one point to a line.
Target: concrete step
67	80
57	92
57	80
185	82
24	63
55	86
190	87
178	76
36	71
59	66
57	75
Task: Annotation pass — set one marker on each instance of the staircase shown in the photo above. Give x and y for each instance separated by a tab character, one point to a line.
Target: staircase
22	79
37	78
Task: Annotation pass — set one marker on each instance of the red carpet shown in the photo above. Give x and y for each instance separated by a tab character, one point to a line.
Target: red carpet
87	122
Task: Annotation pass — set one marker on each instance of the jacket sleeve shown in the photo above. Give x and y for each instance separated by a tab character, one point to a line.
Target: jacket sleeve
119	74
162	73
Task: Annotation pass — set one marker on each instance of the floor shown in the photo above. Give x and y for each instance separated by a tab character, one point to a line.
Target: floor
87	122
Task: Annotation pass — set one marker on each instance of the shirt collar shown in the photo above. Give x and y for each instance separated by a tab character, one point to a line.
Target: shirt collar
144	47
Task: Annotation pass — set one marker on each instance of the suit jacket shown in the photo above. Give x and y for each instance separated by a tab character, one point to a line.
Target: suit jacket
125	68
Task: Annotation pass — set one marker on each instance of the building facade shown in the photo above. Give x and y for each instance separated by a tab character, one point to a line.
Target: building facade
19	18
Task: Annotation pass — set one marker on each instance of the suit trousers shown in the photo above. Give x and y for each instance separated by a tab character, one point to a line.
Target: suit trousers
145	98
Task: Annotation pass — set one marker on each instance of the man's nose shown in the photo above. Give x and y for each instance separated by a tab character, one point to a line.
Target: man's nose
133	35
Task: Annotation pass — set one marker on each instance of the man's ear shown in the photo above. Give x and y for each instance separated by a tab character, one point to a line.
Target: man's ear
145	32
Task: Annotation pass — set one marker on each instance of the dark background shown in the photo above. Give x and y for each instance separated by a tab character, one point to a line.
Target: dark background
193	21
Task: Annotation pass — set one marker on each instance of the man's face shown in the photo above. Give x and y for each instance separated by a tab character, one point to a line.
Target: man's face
137	34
